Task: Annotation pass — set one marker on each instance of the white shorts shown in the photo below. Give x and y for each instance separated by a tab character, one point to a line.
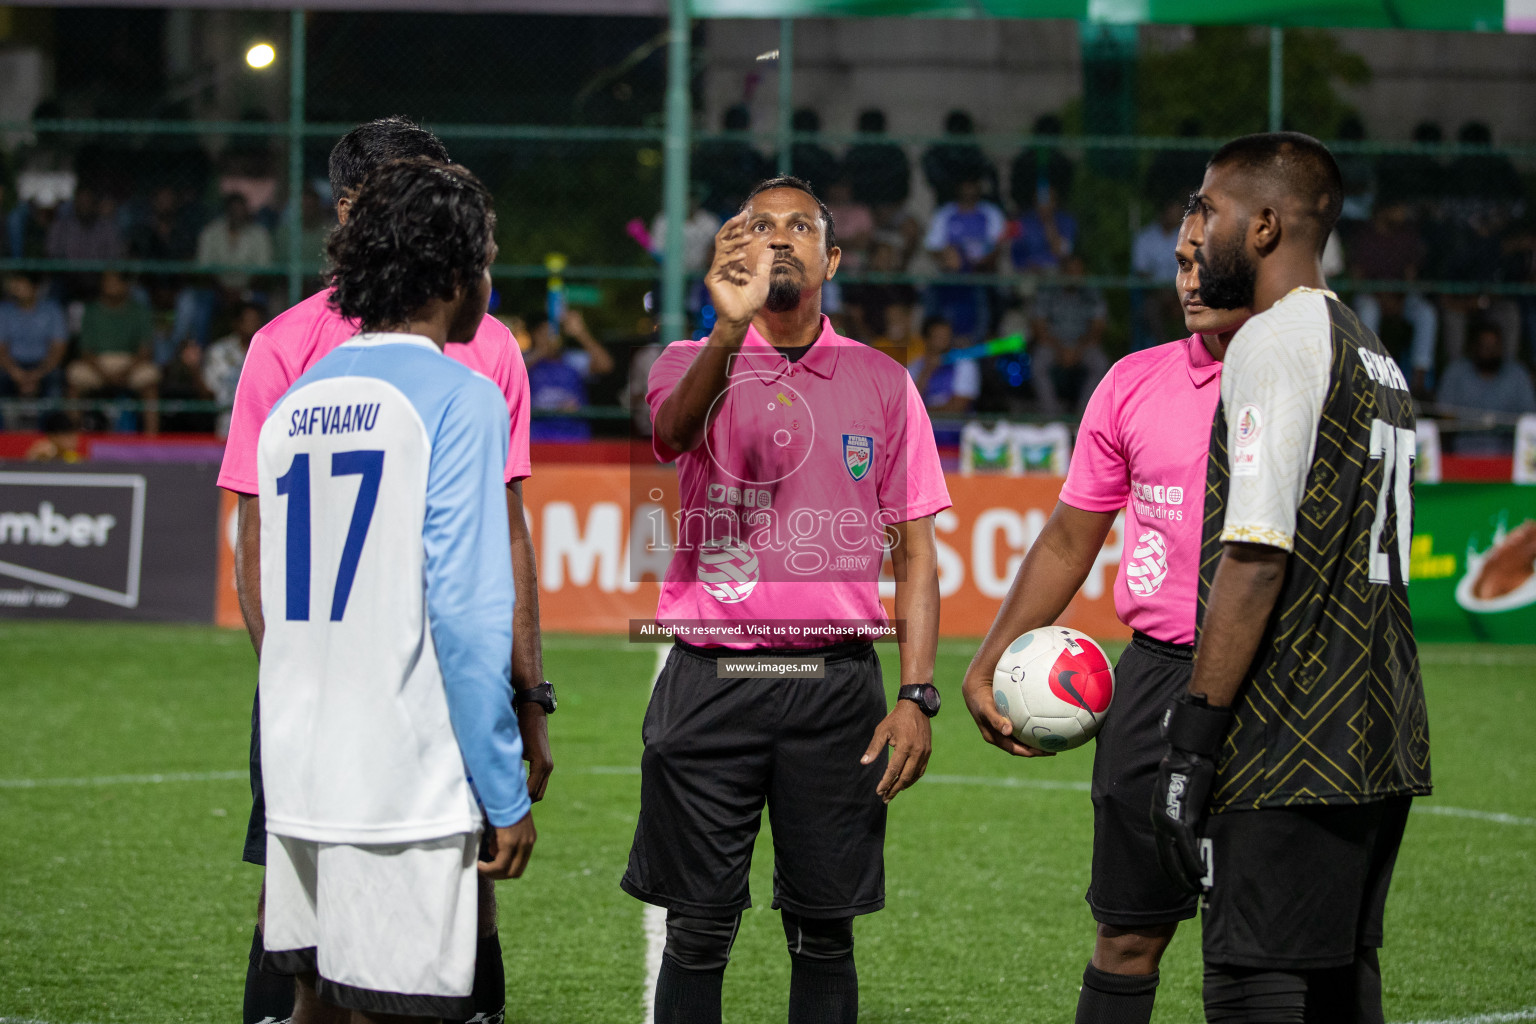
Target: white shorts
389	929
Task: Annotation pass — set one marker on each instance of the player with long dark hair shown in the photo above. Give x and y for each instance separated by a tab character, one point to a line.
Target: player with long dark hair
388	736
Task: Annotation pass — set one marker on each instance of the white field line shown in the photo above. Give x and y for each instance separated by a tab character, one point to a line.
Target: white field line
1529	1013
122	780
655	918
995	782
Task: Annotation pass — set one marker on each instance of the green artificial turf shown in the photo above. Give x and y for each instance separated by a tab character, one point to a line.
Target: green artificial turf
126	901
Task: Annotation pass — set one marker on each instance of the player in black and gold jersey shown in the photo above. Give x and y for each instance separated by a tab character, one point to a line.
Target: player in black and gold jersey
1294	756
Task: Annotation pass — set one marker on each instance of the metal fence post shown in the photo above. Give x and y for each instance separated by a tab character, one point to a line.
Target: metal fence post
786	93
1276	76
294	257
674	324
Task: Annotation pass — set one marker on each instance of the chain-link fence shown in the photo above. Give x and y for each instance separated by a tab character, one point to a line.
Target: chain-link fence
999	187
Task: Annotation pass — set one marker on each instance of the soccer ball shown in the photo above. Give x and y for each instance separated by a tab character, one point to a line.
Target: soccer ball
1055	685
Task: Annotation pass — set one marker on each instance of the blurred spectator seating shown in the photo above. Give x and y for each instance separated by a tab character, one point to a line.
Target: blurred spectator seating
222	363
1359	173
964	236
949	164
1039	167
1389	247
854	223
234	239
1043	236
809	160
85	229
558	376
699	232
315	223
1174	174
877	170
1155	312
896	336
116	348
1067	357
869	304
949	387
1485	381
34	338
729	168
169	232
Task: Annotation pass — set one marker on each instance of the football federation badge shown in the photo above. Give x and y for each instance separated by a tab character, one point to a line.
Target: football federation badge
858	452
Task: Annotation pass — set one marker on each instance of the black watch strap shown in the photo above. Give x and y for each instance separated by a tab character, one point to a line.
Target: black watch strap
543	695
924	695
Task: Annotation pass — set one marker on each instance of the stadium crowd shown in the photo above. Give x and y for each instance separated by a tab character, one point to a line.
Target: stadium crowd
1466	220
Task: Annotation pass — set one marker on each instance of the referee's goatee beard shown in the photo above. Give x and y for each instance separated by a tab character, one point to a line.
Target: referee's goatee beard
783	291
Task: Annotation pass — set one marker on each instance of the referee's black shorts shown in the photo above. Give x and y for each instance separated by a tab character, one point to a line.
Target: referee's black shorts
718	749
1128	888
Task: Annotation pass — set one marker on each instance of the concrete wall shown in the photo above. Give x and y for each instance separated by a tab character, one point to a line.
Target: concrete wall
1008	72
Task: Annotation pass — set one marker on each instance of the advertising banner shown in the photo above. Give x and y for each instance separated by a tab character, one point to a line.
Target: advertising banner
593	530
1473	563
1473	559
132	543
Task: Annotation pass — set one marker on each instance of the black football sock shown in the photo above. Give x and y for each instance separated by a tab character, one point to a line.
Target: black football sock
687	997
268	996
489	996
823	991
1116	998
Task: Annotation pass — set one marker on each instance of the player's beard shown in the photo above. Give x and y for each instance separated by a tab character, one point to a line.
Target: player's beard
784	287
1227	275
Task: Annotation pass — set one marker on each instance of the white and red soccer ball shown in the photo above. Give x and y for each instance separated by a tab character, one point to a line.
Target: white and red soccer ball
1055	685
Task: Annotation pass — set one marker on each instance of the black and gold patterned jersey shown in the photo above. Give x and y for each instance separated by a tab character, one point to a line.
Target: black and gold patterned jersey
1312	452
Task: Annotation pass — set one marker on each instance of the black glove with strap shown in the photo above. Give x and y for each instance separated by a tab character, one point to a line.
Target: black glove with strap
1194	731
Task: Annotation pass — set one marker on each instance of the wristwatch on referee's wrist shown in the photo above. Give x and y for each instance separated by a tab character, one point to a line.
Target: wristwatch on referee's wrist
924	695
543	695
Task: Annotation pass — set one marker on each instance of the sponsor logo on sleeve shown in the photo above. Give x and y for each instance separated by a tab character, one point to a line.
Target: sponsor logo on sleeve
1250	424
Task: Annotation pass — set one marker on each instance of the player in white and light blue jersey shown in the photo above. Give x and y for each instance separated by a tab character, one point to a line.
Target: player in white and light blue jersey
388	734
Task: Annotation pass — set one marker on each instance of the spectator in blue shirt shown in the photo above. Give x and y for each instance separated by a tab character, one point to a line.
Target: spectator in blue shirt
947	386
557	376
963	236
1043	236
1482	385
33	340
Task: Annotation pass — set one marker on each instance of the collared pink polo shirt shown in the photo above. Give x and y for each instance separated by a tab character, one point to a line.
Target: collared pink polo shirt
784	505
300	337
1142	447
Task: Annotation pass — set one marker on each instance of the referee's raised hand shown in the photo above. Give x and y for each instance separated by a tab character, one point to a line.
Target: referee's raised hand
738	276
907	732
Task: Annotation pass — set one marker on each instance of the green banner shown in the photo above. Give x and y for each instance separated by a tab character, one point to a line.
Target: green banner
1470	15
1473	563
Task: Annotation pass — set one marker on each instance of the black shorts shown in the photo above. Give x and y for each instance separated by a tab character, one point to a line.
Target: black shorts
256	827
1128	887
1300	888
717	750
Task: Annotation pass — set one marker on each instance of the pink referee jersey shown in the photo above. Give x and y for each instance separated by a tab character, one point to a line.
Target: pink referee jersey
299	338
784	505
1142	447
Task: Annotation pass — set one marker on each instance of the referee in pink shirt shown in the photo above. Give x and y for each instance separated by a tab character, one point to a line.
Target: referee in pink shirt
280	352
1142	450
800	454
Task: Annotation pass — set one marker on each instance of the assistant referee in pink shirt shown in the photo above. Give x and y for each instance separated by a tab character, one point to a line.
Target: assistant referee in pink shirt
1141	452
800	455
